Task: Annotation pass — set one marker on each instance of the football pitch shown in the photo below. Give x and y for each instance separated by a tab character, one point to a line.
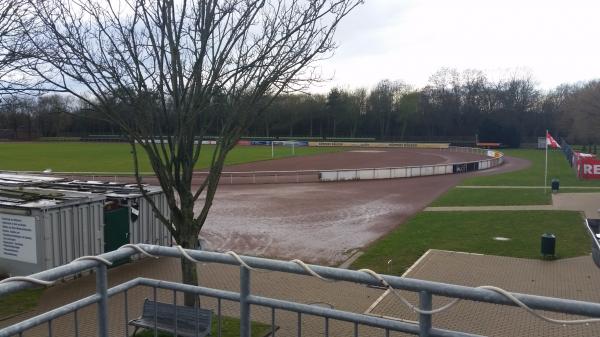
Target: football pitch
117	158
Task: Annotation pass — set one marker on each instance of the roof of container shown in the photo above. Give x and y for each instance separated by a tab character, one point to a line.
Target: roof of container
39	198
108	189
17	179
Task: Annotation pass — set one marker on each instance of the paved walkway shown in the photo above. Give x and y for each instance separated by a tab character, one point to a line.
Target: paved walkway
589	203
574	278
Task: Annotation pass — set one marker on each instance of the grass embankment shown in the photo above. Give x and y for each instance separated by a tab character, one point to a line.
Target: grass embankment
533	176
19	302
116	157
474	232
493	197
230	327
558	167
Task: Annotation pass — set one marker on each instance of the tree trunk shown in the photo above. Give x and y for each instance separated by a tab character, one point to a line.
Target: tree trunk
267	128
334	128
403	132
321	129
188	239
189	273
354	127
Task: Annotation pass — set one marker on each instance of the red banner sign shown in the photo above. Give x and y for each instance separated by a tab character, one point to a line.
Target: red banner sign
588	168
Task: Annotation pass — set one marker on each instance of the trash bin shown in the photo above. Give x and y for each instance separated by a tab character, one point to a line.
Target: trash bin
555	185
548	244
596	255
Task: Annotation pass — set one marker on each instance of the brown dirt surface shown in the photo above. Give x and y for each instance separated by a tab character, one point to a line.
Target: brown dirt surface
322	222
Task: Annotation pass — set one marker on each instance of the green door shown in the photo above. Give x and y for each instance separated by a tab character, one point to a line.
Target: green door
116	228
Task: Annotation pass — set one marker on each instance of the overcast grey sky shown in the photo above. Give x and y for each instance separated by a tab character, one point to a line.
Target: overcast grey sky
555	41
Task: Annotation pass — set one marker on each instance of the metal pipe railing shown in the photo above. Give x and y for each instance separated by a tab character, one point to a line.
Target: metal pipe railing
373	321
244	302
102	292
71	269
425	290
414	285
64	310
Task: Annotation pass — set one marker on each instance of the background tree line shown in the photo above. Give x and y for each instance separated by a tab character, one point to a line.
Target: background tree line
452	106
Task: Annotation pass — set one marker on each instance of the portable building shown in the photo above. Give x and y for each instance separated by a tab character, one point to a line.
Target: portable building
42	229
69	213
128	216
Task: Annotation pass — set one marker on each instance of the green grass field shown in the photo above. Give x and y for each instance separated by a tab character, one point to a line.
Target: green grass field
473	232
493	197
230	328
558	167
116	157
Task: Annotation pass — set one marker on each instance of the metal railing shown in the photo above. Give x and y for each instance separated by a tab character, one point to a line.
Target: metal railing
425	290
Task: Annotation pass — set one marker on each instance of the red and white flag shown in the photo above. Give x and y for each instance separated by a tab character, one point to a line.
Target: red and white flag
551	141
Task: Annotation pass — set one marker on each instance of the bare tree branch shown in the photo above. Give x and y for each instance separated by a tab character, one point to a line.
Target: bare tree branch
166	70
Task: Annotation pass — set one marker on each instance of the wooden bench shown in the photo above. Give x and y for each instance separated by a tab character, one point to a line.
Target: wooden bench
191	321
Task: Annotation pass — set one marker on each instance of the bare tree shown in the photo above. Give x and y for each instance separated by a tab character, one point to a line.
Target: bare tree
358	109
384	101
11	12
180	68
18	117
15	54
53	114
582	109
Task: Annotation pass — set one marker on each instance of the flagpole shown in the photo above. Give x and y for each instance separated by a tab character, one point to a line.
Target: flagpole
546	165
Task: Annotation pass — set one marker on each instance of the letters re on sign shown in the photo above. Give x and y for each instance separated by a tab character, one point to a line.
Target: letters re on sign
589	168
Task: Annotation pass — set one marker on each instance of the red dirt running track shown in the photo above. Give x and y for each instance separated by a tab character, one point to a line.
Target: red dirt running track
357	158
